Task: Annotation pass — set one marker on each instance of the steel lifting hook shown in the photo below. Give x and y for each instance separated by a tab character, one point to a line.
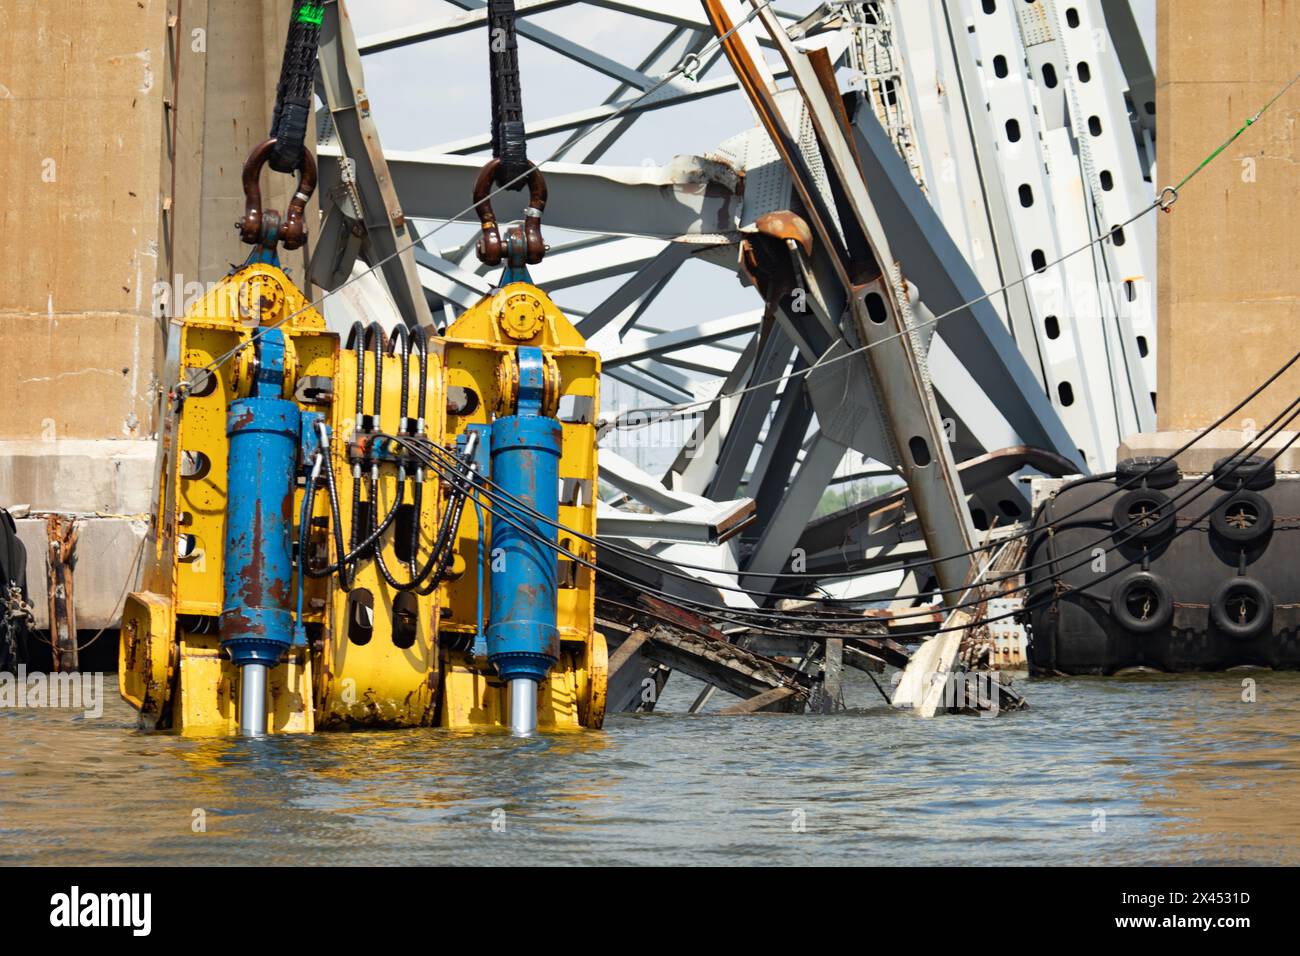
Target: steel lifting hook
294	232
491	249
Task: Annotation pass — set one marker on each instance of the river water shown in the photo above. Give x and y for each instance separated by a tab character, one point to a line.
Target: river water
1149	769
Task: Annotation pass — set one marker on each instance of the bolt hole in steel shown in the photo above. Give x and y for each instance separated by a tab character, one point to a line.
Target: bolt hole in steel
202	383
195	465
920	450
876	310
461	400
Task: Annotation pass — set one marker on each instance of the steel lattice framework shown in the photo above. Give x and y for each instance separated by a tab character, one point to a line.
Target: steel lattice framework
992	137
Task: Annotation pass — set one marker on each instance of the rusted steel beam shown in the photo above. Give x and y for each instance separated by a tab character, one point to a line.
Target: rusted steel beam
683	618
61	559
726	666
758	702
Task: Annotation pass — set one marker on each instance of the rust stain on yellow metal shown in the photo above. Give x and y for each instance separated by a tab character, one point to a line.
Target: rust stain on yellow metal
172	668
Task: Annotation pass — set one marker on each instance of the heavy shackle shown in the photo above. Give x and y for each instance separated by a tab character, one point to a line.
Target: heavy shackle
294	231
491	250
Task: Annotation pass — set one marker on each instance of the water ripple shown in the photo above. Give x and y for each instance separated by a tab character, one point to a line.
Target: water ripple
1143	769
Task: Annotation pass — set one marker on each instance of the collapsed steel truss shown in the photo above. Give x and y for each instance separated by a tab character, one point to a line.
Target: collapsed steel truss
975	141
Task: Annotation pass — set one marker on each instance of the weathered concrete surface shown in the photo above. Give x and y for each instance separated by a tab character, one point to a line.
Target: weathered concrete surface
81	119
119	176
1229	252
123	131
1200	458
106	556
82	476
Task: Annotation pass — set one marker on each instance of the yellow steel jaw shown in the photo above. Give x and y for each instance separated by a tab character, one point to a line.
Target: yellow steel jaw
482	372
170	666
375	655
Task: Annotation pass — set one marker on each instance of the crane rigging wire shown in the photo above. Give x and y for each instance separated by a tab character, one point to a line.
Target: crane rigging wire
515	505
1238	460
1164	201
1118	487
722	614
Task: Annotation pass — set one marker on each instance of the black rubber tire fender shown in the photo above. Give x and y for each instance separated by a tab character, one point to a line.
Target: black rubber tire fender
1242	518
1225	608
1147	472
1157	599
1253	474
1144	515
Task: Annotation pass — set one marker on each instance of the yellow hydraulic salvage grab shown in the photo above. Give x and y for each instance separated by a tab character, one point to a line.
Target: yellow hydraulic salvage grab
381	534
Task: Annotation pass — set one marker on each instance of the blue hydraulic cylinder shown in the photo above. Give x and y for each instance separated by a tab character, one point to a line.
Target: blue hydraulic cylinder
257	607
523	640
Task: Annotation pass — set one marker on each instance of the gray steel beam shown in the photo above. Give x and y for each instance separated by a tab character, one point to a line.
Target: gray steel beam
1019	312
661	99
689	196
453	283
665	56
701	366
665	342
577	264
627	295
642	382
780	453
666	374
692	470
387	237
682	13
574	51
879	319
975	335
436	29
741	437
1133	58
782	532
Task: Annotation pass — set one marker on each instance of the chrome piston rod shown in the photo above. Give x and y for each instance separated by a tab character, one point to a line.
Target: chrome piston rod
523	707
252	700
